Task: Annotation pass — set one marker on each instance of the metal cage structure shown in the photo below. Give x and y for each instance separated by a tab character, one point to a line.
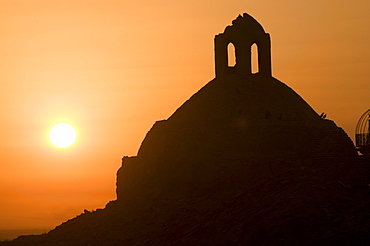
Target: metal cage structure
363	134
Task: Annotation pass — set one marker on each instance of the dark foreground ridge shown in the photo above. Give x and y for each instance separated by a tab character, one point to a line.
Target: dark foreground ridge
245	161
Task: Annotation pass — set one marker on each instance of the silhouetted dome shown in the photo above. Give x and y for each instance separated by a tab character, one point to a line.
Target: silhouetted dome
245	161
235	117
249	99
240	128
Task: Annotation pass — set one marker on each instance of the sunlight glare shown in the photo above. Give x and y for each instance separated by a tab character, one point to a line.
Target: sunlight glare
62	135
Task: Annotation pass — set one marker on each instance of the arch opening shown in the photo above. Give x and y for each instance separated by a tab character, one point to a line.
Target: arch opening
231	55
254	59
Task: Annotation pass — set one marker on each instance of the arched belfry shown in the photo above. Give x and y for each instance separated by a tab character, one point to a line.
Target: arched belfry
244	32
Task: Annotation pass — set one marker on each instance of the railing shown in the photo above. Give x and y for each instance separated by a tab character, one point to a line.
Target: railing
362	139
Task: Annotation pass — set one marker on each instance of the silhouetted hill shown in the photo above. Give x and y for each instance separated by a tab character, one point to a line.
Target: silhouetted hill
245	161
297	208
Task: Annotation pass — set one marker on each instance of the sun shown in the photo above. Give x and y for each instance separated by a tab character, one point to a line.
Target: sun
62	135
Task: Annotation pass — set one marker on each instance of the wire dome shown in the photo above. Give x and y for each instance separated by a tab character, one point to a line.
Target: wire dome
363	133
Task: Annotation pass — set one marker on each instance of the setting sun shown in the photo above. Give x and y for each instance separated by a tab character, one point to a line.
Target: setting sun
62	135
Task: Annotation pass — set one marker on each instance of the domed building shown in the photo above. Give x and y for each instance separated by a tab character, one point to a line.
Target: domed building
245	161
239	130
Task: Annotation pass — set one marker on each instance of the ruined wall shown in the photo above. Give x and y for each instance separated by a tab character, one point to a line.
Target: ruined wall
244	32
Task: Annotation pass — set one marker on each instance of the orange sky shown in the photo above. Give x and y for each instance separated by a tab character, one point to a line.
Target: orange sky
111	68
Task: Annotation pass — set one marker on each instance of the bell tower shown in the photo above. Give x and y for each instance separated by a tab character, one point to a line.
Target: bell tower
243	33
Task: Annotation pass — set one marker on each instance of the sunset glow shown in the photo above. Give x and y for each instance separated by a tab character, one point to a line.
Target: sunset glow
113	68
